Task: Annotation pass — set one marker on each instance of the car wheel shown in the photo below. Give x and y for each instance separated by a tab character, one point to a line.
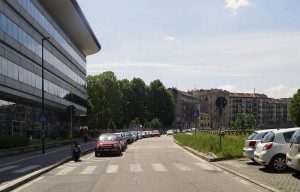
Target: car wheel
278	163
96	155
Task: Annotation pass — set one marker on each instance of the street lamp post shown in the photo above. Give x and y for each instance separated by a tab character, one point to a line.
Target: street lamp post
43	97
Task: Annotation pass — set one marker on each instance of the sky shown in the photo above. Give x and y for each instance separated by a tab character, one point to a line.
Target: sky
235	45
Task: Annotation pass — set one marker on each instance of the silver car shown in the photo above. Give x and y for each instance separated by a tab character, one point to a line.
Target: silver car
293	154
252	141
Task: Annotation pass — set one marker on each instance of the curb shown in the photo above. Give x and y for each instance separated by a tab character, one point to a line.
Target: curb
10	185
212	160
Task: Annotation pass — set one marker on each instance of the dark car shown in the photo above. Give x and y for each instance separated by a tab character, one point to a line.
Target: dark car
129	137
108	143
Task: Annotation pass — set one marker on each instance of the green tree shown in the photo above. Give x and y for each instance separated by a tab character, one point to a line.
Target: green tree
104	100
125	89
160	103
155	123
137	100
294	108
244	121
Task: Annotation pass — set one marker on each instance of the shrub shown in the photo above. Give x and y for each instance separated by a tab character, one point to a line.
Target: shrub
13	141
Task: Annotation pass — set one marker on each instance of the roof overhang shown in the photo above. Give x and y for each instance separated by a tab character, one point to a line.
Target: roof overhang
69	16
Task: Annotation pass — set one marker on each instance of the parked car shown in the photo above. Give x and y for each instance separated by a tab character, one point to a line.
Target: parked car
271	152
170	132
293	154
252	141
155	133
123	140
128	137
108	143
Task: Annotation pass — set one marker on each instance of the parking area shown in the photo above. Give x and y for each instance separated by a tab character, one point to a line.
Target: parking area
286	181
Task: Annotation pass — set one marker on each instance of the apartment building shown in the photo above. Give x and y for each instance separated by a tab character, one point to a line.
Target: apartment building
268	112
185	104
59	30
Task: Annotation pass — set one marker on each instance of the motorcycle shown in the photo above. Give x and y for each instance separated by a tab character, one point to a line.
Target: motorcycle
76	152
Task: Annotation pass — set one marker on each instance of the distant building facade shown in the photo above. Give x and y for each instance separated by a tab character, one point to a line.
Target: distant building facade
24	23
268	112
185	104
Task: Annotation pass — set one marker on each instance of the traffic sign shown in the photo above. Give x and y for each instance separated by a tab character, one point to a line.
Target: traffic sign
221	102
195	113
43	117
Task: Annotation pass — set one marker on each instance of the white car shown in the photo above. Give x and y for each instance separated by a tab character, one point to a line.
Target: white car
271	151
252	141
170	132
293	154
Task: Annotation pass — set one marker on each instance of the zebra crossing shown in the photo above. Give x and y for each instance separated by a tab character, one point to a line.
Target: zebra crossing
87	169
135	168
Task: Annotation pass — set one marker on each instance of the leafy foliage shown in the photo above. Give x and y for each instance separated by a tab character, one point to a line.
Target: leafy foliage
244	121
125	102
294	108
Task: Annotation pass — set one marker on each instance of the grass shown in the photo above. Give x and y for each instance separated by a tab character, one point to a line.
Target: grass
231	147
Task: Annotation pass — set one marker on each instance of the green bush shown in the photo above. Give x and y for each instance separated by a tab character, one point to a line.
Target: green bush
13	141
232	145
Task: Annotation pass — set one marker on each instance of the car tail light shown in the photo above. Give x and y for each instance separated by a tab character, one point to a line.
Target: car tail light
268	146
252	143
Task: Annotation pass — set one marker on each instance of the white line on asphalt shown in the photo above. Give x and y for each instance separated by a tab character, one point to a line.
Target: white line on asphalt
7	168
65	171
135	168
88	170
28	184
159	167
112	168
25	169
33	157
181	167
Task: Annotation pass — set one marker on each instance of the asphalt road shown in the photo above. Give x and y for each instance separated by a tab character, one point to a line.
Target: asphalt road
148	165
16	166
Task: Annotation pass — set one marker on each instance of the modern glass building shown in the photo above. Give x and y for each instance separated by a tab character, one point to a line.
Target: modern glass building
68	40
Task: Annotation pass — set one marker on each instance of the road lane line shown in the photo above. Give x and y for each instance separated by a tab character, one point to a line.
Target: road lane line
7	168
25	169
112	169
88	170
135	168
65	171
181	167
159	167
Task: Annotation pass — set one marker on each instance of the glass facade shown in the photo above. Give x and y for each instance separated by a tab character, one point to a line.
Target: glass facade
21	71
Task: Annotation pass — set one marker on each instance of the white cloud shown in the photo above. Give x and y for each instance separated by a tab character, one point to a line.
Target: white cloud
229	88
281	91
170	38
236	4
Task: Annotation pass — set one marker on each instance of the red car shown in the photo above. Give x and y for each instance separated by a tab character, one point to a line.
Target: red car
108	143
155	133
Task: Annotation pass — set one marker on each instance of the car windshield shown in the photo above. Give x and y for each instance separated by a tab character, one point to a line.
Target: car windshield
269	137
108	137
252	136
296	138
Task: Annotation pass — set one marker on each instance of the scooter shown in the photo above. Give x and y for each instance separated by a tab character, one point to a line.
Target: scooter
76	152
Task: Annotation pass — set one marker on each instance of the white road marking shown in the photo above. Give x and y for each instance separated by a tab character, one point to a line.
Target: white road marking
7	168
25	169
181	167
205	166
159	167
135	168
28	184
88	170
65	171
112	169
